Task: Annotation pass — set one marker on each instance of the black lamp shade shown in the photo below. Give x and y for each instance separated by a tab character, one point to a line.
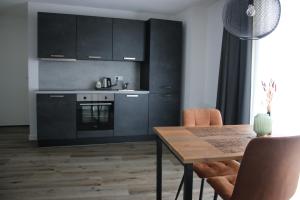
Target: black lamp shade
251	19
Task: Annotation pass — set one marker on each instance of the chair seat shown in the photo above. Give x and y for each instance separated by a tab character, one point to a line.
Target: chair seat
223	185
211	169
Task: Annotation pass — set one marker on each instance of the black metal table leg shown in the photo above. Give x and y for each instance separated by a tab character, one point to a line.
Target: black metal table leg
216	196
158	168
201	188
179	188
188	182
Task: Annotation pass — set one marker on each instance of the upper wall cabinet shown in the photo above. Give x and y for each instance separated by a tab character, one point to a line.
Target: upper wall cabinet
56	36
162	71
94	38
128	40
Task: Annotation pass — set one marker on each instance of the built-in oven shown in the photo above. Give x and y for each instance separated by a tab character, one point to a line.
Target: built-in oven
95	115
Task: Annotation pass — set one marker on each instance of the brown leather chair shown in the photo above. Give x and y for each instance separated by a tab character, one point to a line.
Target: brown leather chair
203	118
269	171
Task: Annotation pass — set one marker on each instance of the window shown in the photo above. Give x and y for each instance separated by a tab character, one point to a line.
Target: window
277	56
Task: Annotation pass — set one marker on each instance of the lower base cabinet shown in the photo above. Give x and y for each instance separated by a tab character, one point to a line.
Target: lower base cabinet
131	114
56	120
164	110
56	116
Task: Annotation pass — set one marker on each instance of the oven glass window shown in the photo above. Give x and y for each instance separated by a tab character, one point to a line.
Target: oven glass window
95	116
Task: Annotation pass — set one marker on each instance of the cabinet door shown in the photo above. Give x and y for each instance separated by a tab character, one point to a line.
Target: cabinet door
131	114
164	110
56	36
56	116
128	40
165	56
94	38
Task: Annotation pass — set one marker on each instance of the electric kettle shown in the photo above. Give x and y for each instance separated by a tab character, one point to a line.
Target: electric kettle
106	82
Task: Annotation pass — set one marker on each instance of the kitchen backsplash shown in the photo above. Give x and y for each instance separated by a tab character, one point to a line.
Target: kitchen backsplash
82	75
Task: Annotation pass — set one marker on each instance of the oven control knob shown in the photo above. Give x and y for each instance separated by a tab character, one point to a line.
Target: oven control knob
84	97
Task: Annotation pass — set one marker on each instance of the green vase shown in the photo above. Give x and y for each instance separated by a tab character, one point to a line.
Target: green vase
262	124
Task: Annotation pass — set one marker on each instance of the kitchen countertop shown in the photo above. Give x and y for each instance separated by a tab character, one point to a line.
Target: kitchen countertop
91	91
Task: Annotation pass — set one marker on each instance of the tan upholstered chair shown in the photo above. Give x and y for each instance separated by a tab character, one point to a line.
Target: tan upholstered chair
204	118
269	171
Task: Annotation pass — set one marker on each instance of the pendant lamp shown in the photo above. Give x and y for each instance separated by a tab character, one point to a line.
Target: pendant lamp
251	19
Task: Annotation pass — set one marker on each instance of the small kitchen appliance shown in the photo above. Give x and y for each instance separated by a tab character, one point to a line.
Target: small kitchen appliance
106	82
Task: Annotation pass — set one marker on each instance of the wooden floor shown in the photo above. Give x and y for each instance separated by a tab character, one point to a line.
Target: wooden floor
124	171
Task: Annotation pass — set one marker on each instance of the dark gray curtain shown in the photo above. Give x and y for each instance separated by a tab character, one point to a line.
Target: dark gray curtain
234	87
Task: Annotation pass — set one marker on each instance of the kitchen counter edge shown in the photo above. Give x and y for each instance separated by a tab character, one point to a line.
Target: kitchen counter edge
90	92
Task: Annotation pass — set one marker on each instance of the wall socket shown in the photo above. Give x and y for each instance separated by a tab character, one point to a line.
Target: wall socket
119	78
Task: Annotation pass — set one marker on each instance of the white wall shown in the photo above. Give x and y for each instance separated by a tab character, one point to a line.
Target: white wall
194	55
13	66
213	49
33	64
203	31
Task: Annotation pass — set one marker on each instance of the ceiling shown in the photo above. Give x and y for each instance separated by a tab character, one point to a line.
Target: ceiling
155	6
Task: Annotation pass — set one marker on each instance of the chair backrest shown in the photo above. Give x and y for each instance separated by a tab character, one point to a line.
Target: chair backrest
202	117
269	169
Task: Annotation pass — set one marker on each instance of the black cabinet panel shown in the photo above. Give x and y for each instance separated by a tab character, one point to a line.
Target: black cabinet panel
164	57
161	72
128	40
164	110
94	38
56	116
131	114
56	36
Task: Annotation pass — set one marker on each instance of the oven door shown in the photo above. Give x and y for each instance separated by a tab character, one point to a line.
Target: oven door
95	119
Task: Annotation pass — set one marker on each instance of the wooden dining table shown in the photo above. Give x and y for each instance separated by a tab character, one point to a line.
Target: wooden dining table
200	144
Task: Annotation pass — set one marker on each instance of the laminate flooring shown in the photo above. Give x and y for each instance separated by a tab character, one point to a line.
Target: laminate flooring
122	171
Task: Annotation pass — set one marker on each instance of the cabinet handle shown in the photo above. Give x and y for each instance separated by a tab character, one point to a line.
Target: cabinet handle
57	96
95	104
132	96
95	57
59	59
129	58
57	56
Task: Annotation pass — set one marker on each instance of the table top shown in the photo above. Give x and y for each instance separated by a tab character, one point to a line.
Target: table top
206	144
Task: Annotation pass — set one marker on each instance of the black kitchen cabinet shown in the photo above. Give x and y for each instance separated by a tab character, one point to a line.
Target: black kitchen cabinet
162	71
56	36
56	117
164	110
131	114
94	38
128	40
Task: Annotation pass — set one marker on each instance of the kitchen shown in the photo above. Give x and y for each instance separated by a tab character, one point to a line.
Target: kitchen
141	90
